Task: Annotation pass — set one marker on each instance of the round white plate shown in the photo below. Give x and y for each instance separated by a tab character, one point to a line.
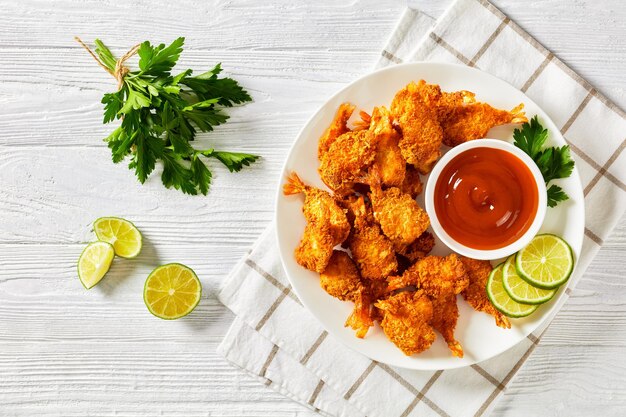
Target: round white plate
480	337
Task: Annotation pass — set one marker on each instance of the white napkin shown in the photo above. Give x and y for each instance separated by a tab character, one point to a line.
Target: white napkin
275	339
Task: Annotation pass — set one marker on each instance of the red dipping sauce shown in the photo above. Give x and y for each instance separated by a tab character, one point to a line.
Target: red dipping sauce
486	198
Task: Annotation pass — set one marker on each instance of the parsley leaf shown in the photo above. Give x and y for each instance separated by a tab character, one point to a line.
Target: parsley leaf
553	162
234	161
531	137
162	112
556	195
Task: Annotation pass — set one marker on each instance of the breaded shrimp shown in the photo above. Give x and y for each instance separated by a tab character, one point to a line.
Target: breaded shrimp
406	321
414	109
327	225
341	278
419	249
388	160
361	318
435	275
412	183
400	217
371	250
347	159
337	127
466	122
445	316
476	293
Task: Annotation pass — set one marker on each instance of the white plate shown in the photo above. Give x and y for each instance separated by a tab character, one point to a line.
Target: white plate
480	337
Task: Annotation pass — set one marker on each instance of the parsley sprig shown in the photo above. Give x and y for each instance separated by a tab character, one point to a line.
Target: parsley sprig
161	114
553	162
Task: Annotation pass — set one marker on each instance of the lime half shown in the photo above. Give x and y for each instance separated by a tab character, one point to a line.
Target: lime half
501	299
172	291
520	290
120	233
547	262
94	263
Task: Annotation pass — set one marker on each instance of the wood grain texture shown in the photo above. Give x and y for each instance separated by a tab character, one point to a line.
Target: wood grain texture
70	352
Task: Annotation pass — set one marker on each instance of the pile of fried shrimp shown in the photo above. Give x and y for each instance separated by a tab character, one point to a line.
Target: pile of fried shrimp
368	238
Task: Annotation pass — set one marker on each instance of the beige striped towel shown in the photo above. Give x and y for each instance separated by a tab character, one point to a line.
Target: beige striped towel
276	340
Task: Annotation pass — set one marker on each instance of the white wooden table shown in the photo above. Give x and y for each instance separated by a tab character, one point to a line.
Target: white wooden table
67	351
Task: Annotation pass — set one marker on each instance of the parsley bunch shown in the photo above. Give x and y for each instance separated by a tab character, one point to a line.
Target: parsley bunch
161	114
554	162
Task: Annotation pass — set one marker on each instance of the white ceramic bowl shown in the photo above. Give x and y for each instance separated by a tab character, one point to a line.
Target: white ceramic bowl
478	253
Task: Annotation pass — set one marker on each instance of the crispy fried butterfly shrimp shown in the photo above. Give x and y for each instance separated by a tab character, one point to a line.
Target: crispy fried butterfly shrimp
436	275
414	109
341	278
412	183
327	225
347	159
388	160
371	250
476	293
361	318
472	121
445	316
400	217
419	249
337	127
406	321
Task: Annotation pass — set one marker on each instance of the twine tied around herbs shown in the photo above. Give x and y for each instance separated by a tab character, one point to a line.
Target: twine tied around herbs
120	70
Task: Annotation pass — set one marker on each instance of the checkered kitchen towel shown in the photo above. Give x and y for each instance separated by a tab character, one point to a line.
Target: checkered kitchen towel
276	340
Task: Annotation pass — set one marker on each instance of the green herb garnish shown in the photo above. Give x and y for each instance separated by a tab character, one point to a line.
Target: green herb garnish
553	162
161	114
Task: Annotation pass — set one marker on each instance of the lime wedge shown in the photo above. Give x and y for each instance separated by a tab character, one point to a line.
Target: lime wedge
520	290
172	291
547	262
500	298
120	233
94	263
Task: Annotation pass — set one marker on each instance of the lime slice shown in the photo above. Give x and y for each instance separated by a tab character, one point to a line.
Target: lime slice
120	233
546	262
500	298
94	263
172	291
520	290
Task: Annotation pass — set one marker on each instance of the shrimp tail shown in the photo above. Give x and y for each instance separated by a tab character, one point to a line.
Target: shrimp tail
518	114
294	185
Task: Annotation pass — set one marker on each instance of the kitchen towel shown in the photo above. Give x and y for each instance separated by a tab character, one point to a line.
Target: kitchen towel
275	339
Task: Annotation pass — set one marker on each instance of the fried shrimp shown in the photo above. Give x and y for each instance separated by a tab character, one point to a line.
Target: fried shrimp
435	275
388	160
419	249
466	122
327	225
347	159
400	217
337	127
414	109
341	278
445	316
371	250
406	321
476	293
361	318
412	183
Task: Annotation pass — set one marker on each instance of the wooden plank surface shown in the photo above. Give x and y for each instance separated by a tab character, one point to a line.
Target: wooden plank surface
65	351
